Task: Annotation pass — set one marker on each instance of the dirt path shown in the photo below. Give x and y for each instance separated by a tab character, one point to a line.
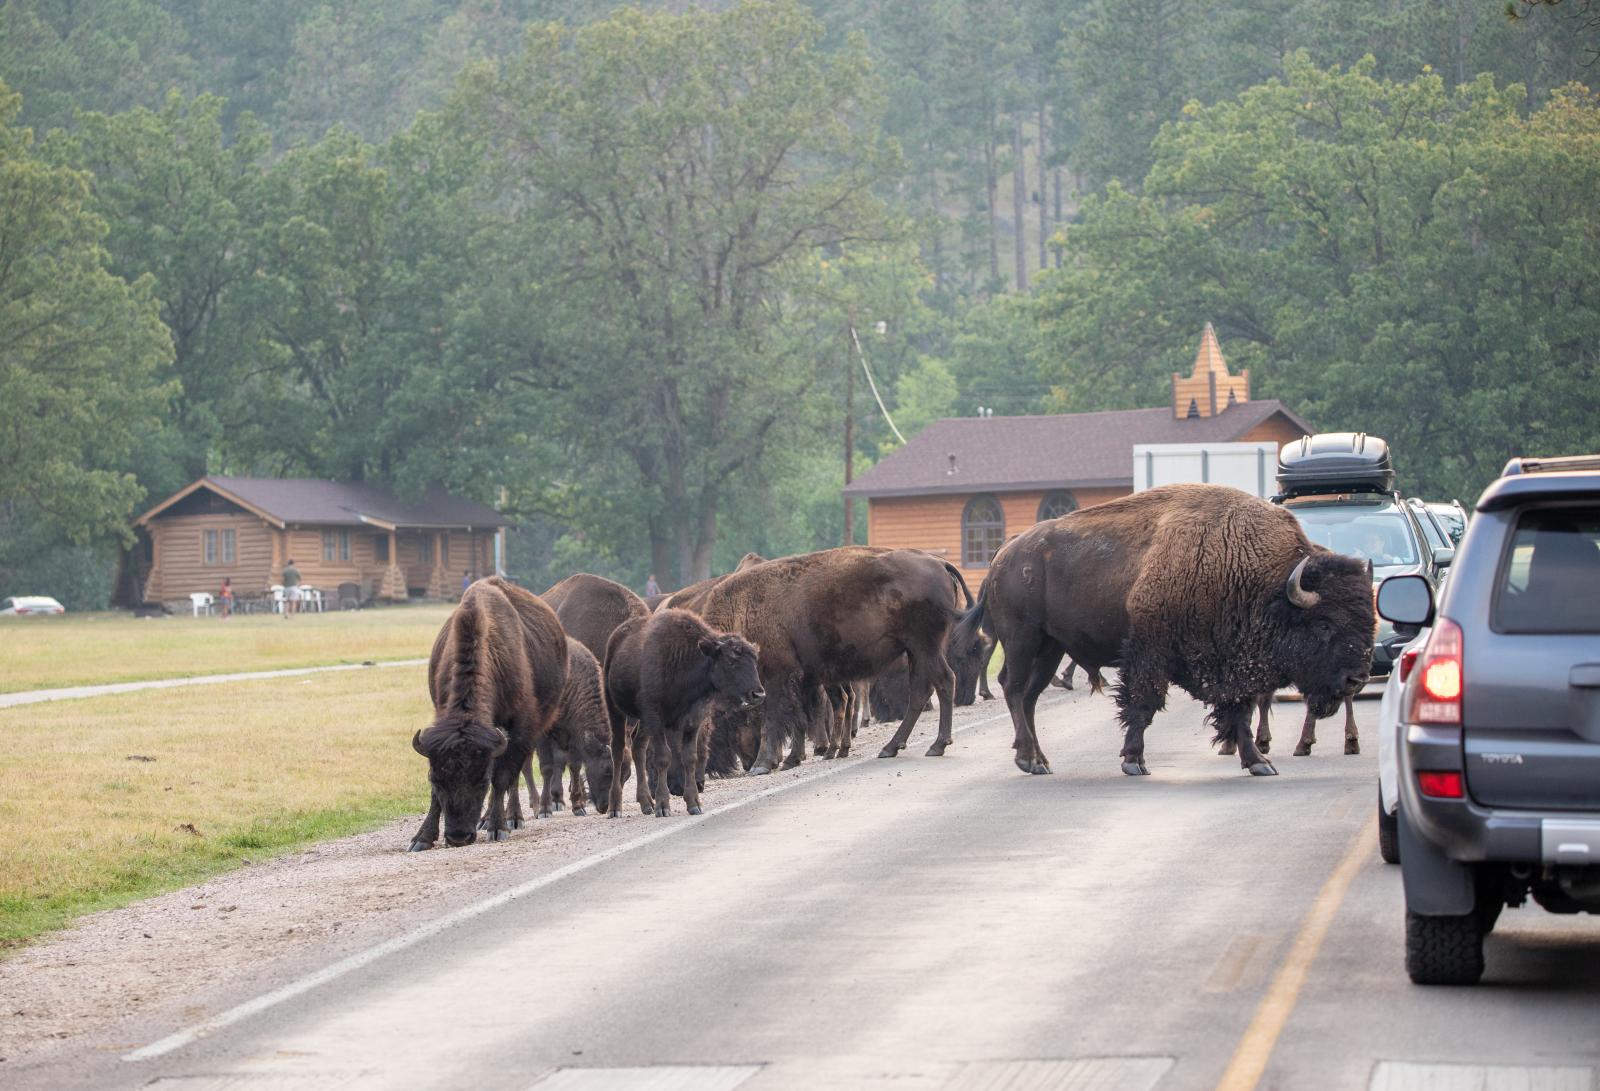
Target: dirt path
170	960
67	693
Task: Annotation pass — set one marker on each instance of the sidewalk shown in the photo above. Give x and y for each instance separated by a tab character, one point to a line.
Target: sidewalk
67	693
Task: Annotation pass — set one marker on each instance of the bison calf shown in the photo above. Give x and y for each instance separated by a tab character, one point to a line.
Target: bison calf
661	671
579	741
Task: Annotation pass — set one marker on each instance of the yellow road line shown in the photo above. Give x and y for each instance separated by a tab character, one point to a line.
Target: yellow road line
1250	1058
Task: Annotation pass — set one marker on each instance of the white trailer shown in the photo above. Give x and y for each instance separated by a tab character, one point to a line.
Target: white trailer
1252	467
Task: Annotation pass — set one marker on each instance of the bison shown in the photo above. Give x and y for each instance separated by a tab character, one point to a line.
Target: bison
661	671
579	740
1200	586
495	676
591	607
838	615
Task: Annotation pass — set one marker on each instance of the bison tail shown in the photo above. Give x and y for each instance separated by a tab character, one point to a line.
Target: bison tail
1097	681
973	621
955	574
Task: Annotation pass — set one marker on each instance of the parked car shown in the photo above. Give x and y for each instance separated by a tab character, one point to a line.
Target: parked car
1498	772
1433	529
1452	516
25	605
1340	486
1389	747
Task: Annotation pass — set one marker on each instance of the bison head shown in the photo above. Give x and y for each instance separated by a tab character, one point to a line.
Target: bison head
1328	622
596	757
733	664
461	754
966	659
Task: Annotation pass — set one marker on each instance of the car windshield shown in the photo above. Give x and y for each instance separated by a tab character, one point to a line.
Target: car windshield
1380	533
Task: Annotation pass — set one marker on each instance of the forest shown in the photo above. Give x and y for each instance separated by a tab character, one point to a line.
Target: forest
623	270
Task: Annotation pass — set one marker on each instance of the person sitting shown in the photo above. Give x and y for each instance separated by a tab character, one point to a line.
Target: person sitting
1375	549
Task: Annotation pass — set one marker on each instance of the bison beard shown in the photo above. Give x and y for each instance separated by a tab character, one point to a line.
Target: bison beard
495	677
832	617
1199	586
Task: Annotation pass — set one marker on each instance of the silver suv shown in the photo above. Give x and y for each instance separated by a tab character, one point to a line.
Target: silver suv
1500	719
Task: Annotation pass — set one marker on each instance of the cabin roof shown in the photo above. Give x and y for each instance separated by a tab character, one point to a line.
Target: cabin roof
1061	451
299	500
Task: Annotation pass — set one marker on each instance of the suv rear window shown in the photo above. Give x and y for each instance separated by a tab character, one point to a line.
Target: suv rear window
1550	579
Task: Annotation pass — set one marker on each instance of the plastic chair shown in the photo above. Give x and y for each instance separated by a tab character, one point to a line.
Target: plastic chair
310	599
277	598
201	601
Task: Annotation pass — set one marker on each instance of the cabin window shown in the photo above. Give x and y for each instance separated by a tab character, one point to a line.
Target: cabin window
380	548
344	545
425	550
211	547
229	546
1056	504
983	531
336	545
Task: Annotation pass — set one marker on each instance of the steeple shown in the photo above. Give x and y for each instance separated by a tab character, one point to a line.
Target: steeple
1209	389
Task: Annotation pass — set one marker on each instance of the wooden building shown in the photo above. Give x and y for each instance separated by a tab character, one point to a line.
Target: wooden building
248	528
962	486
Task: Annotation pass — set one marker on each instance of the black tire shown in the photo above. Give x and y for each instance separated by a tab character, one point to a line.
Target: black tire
1444	950
1388	833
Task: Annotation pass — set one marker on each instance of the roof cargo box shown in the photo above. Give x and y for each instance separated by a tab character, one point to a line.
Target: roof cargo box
1335	462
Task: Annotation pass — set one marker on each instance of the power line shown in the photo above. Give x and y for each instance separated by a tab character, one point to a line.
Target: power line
874	386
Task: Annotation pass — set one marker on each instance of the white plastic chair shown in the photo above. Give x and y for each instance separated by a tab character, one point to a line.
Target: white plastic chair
201	601
310	599
277	598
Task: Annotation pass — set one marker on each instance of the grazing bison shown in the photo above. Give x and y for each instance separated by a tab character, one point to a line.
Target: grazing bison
839	615
1200	586
591	607
661	671
495	677
579	740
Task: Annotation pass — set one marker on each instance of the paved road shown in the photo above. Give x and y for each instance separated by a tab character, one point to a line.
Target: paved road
928	923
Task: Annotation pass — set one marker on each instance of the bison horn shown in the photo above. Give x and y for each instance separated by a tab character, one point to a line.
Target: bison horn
416	744
502	740
1297	594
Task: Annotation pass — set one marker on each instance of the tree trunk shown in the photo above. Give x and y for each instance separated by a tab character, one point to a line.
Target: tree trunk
705	536
992	188
1057	217
1044	205
1019	204
849	431
661	565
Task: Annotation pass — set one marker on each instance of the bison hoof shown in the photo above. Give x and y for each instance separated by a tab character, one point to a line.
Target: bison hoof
483	824
1264	745
647	808
1039	769
1023	763
1263	769
1302	751
613	814
419	845
758	770
1135	769
578	811
514	823
1352	746
546	814
500	835
888	751
695	810
663	811
1227	749
936	750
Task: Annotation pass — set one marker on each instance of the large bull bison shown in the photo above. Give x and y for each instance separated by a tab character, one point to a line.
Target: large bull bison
495	677
1201	586
835	616
661	671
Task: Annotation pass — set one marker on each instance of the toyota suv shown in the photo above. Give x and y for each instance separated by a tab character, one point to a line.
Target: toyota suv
1499	733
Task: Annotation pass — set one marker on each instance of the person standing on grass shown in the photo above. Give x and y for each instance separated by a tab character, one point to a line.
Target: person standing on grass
225	596
291	589
651	587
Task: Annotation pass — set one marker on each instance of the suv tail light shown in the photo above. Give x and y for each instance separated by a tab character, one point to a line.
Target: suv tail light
1440	785
1436	697
1408	659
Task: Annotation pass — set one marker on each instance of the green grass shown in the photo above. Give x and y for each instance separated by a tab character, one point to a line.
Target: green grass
89	649
253	769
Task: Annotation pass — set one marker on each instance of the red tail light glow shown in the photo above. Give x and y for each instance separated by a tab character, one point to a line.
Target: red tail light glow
1440	785
1408	659
1436	697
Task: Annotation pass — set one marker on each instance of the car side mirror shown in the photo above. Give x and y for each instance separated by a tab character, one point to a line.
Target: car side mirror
1443	556
1406	600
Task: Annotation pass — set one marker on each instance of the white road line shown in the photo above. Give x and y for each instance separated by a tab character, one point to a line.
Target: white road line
69	693
361	959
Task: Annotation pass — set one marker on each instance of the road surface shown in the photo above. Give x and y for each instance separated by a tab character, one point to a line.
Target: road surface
925	923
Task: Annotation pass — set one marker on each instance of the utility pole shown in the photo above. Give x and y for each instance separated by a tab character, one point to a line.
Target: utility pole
849	427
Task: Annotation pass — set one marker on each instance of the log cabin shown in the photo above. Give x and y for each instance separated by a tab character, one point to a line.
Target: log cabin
248	528
963	486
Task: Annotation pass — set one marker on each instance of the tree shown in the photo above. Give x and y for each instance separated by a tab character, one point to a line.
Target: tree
1392	257
83	351
670	182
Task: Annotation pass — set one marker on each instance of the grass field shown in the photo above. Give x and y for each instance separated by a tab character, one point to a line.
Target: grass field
85	649
240	772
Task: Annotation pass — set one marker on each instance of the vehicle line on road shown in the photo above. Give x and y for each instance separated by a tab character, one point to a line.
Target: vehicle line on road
361	959
69	693
1250	1057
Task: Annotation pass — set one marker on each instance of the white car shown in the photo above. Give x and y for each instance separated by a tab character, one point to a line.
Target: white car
1389	749
29	605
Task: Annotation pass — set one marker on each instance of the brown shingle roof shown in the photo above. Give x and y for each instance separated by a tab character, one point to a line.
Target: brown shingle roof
1075	450
342	503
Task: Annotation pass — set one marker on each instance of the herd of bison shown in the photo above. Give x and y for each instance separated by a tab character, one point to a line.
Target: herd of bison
1199	586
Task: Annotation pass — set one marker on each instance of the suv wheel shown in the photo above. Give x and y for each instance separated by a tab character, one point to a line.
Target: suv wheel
1388	833
1444	950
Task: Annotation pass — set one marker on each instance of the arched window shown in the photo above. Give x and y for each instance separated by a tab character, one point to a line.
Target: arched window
1056	504
983	531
